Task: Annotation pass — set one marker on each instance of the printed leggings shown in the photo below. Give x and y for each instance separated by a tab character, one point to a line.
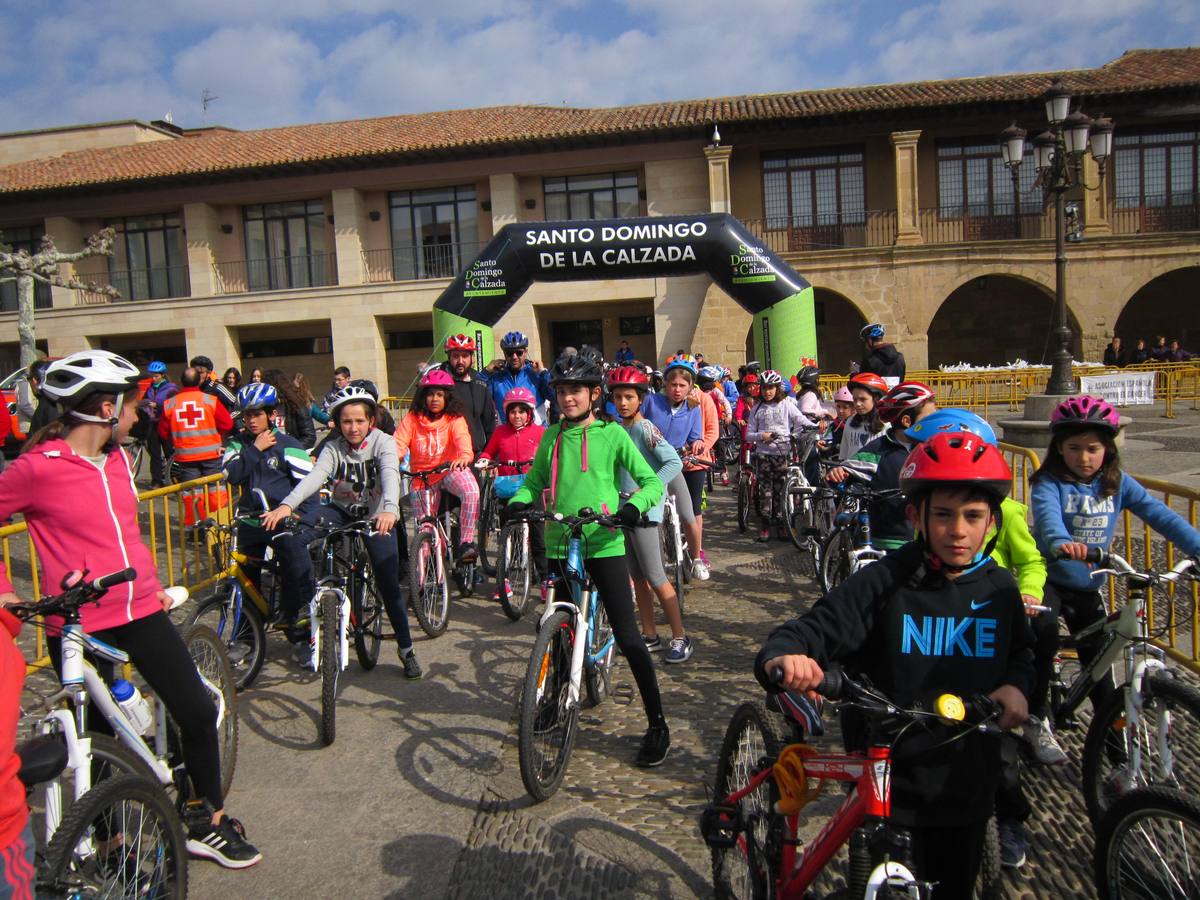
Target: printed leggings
771	472
461	484
610	574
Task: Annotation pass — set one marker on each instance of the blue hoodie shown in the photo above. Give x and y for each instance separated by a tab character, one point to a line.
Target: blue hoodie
1067	512
537	383
680	425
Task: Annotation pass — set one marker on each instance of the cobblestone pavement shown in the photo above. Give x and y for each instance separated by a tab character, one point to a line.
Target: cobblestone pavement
421	795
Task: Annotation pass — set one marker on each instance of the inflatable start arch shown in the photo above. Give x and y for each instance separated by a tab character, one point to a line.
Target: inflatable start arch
652	247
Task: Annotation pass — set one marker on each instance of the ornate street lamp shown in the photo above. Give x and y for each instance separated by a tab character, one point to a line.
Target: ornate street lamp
1058	156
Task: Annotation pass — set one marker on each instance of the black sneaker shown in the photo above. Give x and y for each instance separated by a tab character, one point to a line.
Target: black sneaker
653	644
224	844
655	745
467	552
412	668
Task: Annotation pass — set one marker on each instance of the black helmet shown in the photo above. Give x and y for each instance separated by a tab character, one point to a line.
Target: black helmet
584	367
808	377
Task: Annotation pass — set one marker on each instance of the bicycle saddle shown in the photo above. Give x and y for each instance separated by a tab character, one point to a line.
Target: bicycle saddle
798	708
42	759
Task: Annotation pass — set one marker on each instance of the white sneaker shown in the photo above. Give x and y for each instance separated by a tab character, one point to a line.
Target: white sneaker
1040	735
700	570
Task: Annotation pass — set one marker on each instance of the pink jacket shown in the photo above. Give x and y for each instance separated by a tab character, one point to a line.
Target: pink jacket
509	445
82	518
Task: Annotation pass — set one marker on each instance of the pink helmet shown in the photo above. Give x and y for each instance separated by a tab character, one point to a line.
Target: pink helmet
1085	412
519	395
843	395
435	377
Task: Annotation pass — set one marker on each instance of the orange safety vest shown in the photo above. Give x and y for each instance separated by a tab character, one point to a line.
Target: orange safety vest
193	426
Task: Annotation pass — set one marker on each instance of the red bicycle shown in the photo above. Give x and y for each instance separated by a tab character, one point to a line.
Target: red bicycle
764	780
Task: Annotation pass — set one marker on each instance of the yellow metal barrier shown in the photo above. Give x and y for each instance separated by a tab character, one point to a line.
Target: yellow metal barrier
1023	462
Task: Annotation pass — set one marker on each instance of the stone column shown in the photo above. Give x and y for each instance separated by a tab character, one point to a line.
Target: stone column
349	216
908	229
358	344
1096	222
720	198
506	200
202	226
211	337
68	237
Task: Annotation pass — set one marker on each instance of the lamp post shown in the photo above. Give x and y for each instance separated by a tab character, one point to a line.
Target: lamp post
1058	156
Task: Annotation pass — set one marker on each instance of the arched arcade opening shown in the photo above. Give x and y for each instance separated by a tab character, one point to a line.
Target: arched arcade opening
1168	305
997	319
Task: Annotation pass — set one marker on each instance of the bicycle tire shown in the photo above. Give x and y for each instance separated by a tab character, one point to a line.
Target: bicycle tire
245	642
1104	773
989	883
598	677
489	524
735	876
208	652
743	502
428	592
514	566
366	612
1127	840
88	876
835	558
545	709
329	666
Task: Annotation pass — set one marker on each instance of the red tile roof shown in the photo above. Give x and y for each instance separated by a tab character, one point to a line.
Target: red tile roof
494	128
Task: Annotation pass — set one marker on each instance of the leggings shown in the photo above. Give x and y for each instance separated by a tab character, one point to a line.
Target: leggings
949	855
610	574
643	552
771	472
678	488
461	484
695	479
158	652
384	550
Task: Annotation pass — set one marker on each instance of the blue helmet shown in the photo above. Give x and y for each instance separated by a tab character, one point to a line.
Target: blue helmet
951	420
711	373
156	367
874	332
514	340
258	396
683	361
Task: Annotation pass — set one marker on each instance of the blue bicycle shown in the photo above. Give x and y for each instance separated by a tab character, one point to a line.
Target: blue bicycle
574	648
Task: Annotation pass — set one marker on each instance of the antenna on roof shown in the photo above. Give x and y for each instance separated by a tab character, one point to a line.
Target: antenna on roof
168	118
207	97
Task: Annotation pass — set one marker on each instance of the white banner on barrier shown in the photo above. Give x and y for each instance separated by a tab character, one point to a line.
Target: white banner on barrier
1123	389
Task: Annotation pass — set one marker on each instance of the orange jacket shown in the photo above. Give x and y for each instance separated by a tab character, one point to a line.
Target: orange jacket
710	424
194	422
431	442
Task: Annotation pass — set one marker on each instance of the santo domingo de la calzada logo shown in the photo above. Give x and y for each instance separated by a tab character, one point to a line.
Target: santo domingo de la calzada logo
485	279
750	265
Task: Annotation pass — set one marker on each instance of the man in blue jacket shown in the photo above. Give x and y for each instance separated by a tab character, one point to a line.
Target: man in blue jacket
519	371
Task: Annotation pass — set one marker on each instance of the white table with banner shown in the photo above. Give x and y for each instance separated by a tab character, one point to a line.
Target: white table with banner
1121	388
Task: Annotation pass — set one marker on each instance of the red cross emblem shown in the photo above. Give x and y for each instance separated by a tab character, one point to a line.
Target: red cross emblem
189	414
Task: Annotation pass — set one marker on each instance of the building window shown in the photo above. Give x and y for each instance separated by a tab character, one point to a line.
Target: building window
609	195
634	325
148	261
285	346
973	181
813	194
420	339
1155	168
285	246
434	232
28	239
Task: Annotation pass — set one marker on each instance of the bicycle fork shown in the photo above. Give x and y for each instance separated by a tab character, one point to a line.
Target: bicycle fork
314	639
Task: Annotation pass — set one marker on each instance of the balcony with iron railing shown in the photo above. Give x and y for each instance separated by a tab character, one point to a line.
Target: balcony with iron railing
418	263
279	273
159	283
1156	215
8	296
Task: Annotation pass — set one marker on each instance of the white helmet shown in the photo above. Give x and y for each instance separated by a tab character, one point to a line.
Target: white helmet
351	393
72	378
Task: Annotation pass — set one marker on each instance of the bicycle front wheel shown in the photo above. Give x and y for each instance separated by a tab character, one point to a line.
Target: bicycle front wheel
747	869
242	631
547	723
330	667
743	501
150	859
366	613
1118	756
1148	847
514	570
208	653
836	559
428	590
598	673
672	557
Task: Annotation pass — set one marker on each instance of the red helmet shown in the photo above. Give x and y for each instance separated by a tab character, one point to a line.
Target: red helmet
628	376
1086	412
519	395
438	378
868	381
958	459
904	397
459	342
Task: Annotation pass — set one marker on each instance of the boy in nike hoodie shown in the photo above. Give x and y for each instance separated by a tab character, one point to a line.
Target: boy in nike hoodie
935	616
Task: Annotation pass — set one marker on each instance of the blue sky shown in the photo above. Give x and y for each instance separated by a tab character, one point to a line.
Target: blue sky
278	62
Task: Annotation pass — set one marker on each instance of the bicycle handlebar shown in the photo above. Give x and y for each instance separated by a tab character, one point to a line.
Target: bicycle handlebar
1109	563
575	523
77	590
